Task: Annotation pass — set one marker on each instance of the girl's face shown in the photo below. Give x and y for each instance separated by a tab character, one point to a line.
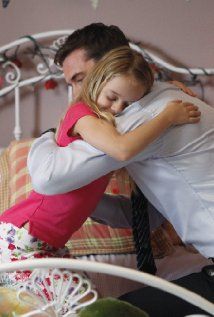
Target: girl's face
119	92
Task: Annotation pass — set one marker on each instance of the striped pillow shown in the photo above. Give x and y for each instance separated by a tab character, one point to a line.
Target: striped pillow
20	185
4	182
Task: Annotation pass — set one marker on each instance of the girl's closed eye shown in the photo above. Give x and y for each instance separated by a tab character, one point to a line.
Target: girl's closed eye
112	98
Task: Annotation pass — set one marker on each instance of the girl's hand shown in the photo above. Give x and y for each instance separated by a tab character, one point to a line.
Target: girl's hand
180	112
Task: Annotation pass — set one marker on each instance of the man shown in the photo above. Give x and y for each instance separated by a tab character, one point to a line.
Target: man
175	173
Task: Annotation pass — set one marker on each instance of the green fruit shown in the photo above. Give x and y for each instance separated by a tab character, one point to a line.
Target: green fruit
111	307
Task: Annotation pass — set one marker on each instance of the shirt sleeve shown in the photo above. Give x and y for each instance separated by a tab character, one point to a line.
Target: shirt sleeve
56	170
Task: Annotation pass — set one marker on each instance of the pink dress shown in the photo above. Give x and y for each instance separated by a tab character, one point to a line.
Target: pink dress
52	219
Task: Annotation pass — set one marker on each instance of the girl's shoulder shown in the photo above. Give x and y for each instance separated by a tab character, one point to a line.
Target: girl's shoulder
76	111
79	109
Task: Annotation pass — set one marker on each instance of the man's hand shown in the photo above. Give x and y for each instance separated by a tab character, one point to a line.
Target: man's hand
185	89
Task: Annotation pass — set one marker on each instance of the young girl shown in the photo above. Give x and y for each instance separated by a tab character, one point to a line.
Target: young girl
41	225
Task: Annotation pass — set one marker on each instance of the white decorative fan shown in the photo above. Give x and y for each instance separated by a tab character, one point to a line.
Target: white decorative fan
62	290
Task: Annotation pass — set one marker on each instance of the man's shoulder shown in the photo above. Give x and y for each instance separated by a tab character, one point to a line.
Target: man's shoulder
159	89
160	85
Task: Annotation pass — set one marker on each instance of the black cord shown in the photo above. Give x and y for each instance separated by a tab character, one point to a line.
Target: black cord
37	49
5	3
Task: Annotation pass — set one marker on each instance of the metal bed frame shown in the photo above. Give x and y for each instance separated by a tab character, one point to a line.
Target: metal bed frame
14	81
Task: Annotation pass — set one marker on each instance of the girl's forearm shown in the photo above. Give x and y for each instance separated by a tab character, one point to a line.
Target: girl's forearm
106	138
135	141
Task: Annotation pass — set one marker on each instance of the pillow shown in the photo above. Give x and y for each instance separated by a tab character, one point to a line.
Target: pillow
4	182
20	185
119	184
91	238
95	238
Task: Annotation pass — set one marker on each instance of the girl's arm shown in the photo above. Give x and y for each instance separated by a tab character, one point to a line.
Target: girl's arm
104	136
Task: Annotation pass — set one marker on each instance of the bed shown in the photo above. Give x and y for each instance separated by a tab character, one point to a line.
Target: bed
93	242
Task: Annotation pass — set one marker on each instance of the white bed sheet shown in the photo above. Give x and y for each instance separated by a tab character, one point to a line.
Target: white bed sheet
180	263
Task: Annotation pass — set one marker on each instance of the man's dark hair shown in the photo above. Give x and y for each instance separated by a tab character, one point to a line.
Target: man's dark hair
96	39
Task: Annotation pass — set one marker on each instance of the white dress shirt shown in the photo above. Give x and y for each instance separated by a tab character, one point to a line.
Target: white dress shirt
176	172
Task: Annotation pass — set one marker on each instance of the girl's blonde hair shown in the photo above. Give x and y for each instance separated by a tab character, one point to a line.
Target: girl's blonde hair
119	61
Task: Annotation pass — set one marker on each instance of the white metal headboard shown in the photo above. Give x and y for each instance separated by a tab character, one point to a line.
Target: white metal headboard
14	80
